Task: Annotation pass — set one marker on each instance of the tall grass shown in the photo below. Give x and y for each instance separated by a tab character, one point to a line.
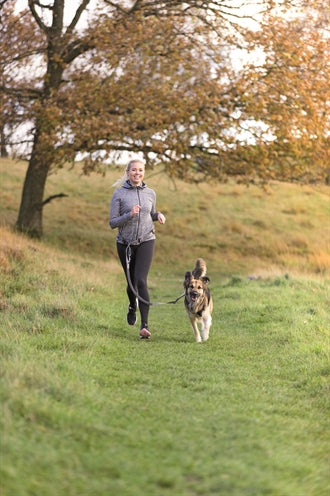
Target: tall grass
88	409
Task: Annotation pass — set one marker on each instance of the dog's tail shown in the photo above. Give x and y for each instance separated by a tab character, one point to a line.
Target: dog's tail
200	269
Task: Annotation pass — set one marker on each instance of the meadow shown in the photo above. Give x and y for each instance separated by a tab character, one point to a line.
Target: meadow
88	409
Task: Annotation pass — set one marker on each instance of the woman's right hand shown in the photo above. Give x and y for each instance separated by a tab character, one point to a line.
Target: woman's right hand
135	210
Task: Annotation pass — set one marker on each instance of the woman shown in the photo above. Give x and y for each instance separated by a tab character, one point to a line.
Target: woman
133	212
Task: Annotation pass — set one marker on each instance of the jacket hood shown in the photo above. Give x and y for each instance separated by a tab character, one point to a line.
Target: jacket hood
128	185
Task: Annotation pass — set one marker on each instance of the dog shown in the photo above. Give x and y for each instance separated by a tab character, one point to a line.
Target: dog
198	301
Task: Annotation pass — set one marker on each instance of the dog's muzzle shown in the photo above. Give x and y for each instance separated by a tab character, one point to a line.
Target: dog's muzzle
193	295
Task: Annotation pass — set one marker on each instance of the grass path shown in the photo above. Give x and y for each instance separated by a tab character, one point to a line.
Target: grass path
89	410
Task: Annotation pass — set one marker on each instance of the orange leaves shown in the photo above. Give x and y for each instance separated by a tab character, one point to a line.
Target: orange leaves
162	81
290	94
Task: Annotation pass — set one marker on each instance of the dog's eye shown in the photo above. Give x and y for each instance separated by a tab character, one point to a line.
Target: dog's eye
199	287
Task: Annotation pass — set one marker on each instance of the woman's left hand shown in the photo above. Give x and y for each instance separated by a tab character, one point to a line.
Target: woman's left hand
161	218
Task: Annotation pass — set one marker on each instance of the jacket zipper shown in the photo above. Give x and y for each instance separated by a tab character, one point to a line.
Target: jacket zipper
138	225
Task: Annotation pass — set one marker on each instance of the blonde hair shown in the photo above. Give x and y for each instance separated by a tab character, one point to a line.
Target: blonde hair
122	179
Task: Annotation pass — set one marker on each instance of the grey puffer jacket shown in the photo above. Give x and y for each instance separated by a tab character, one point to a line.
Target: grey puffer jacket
133	230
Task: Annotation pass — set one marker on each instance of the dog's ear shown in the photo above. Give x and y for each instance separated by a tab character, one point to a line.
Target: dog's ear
205	280
187	278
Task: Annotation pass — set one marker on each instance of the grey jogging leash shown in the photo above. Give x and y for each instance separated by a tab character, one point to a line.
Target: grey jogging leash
128	262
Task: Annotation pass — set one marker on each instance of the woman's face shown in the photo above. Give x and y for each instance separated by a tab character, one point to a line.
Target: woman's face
135	174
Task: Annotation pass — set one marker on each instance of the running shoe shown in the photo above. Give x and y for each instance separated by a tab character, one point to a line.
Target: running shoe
145	333
131	316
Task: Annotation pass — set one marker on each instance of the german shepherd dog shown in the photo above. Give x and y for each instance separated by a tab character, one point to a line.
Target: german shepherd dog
198	301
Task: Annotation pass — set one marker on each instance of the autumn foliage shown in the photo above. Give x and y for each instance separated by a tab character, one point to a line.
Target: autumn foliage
162	78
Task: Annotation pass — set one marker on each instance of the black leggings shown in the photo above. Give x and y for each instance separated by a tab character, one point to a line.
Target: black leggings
141	258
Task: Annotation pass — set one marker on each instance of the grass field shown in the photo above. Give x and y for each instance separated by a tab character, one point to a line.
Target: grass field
89	410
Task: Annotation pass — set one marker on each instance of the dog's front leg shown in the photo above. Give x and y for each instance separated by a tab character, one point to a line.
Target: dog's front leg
207	321
195	330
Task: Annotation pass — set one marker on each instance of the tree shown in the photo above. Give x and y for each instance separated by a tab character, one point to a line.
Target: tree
289	94
60	49
18	48
154	77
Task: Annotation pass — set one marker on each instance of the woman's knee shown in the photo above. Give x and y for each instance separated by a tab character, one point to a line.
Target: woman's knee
141	284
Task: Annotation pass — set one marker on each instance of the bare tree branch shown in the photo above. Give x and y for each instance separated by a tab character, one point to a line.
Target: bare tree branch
77	16
36	16
22	92
52	197
76	48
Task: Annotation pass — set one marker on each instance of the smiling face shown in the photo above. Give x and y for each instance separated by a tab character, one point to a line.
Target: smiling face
195	289
135	172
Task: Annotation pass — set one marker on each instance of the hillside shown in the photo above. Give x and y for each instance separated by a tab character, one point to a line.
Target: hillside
282	228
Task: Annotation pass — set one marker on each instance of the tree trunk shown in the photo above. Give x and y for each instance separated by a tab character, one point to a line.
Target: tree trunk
42	157
30	213
3	149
